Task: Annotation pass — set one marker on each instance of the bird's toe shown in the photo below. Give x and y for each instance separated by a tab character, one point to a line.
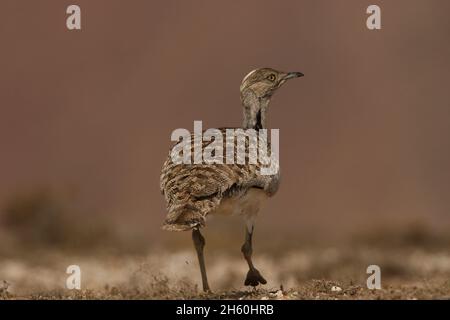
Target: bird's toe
254	278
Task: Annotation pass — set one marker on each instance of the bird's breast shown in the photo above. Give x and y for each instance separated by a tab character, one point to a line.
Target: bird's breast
248	203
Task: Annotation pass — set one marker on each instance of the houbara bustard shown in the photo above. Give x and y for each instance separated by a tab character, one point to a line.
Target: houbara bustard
195	191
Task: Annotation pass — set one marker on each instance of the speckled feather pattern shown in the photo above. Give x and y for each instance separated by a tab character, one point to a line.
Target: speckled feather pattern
192	191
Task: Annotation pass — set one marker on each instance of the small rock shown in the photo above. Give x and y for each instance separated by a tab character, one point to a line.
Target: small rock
265	298
336	289
279	294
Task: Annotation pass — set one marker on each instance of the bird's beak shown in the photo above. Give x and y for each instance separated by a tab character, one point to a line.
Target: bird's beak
291	75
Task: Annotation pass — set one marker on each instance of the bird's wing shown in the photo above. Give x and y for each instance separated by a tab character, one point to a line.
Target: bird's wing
194	190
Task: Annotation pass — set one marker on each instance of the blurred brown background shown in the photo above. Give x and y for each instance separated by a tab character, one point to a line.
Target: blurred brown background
86	116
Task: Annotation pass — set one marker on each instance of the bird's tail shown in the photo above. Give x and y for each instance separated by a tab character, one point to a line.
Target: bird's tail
184	222
176	227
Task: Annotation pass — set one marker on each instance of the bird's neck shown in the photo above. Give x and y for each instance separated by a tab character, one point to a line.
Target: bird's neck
255	111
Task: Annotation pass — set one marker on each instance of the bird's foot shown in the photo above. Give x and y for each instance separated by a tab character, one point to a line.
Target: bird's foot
254	278
207	290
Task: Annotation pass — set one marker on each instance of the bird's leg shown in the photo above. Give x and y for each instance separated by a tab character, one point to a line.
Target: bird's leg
253	276
199	243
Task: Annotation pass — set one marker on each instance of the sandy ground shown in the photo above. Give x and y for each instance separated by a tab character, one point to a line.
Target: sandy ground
316	273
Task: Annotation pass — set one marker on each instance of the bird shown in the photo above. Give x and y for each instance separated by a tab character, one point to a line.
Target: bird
195	191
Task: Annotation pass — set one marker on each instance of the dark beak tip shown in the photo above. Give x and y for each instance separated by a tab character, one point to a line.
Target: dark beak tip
291	75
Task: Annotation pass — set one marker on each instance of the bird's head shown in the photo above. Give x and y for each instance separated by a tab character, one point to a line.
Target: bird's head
264	82
257	88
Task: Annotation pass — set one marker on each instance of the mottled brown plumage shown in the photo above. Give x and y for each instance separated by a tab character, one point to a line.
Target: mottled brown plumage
194	191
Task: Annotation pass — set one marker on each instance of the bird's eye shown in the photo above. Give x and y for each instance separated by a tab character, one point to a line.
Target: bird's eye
271	77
